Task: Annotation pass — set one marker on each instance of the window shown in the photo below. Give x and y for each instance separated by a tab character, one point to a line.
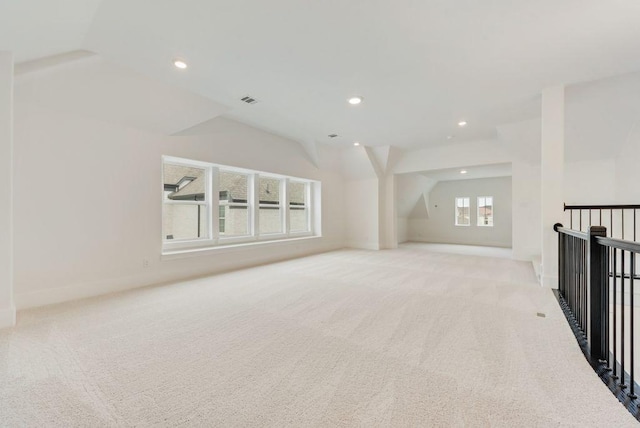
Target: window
462	212
485	211
206	205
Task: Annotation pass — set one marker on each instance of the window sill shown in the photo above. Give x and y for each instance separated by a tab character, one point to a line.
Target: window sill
230	248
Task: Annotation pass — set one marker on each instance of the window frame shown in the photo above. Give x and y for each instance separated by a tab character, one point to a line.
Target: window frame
283	233
213	203
455	210
307	206
176	244
478	211
221	239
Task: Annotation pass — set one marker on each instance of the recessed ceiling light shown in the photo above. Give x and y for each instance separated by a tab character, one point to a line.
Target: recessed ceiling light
462	123
355	100
450	137
356	143
464	171
180	64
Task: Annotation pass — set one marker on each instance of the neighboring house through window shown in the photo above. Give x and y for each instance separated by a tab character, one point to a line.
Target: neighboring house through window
207	205
485	211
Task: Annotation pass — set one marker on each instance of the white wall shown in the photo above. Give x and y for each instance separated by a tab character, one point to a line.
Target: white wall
7	310
627	172
602	146
412	201
552	170
440	227
362	214
527	223
88	198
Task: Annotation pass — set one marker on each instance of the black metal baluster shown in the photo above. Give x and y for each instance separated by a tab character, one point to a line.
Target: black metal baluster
615	317
585	285
585	288
622	310
561	267
574	280
577	279
570	219
622	211
579	282
632	269
571	267
580	220
607	318
611	221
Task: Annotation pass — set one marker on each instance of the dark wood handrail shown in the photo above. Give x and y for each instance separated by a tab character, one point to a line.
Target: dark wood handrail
620	244
580	235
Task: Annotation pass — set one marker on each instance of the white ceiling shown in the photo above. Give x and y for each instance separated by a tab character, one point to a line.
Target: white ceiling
420	65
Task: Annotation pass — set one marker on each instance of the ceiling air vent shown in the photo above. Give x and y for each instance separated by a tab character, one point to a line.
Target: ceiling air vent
333	135
249	100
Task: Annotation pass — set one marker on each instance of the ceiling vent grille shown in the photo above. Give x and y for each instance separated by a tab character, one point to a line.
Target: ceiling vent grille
333	135
249	100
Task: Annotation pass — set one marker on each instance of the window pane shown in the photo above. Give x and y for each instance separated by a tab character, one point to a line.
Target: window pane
270	219
462	212
485	211
269	189
297	193
270	212
298	219
222	210
184	183
234	220
298	212
182	221
234	186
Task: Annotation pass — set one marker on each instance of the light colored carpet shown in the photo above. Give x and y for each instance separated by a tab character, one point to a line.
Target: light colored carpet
349	338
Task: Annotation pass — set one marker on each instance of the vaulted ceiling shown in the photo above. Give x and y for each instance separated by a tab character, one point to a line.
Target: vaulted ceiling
421	66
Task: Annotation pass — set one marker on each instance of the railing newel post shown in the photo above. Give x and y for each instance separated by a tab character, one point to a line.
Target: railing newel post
597	268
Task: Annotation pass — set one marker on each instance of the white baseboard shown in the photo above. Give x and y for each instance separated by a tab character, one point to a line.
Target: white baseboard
537	267
44	297
7	317
51	296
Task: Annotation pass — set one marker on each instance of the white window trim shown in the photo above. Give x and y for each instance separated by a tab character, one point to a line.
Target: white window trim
214	239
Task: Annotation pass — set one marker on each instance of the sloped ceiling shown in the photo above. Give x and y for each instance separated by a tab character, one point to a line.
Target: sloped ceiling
98	89
33	29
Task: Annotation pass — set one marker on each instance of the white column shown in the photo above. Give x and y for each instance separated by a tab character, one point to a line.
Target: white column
7	308
552	175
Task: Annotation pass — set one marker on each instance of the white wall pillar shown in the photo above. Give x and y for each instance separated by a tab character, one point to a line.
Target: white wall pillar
387	212
7	308
552	175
